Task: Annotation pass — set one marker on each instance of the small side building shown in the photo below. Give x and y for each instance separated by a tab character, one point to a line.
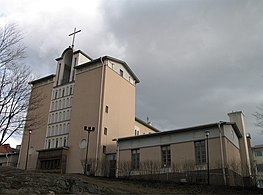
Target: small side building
209	153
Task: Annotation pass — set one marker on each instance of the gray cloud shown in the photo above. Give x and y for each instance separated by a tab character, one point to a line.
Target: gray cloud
197	60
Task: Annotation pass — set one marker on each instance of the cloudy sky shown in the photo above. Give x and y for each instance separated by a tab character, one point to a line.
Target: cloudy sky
197	59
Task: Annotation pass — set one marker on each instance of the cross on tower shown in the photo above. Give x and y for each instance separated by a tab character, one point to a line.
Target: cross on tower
74	33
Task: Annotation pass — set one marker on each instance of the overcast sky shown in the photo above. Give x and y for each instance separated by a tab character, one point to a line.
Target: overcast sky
197	60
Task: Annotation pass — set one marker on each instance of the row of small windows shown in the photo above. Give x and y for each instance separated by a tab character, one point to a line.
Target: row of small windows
61	104
59	116
63	91
121	72
58	129
57	142
200	156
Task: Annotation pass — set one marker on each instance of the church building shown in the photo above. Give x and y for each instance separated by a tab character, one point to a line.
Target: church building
86	104
88	125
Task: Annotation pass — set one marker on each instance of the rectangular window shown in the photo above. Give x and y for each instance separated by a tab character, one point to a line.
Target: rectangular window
121	72
166	156
56	142
107	109
65	142
48	144
135	159
258	153
104	149
105	131
136	132
200	152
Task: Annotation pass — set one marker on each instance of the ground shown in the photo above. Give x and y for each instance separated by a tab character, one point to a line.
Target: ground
15	181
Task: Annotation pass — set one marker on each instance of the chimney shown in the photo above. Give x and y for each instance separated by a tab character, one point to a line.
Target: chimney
239	118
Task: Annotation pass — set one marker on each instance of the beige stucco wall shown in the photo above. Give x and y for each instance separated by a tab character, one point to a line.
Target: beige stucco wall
143	129
183	155
232	156
119	97
85	112
150	154
37	142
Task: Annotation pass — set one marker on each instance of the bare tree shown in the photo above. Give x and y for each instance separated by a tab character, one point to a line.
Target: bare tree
11	48
15	92
259	116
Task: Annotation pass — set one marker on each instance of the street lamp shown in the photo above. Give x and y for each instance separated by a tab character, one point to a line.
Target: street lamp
89	129
28	143
207	154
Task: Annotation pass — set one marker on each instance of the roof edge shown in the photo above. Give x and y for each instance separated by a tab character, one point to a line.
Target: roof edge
42	79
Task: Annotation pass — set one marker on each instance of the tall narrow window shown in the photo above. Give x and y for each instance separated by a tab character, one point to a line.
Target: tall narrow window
166	156
65	141
135	159
56	142
200	152
104	149
70	90
107	109
48	144
105	131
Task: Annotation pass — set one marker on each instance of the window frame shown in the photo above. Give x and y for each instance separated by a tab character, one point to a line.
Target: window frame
135	159
166	158
200	152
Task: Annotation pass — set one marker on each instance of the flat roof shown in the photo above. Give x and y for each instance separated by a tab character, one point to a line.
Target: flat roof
40	80
205	126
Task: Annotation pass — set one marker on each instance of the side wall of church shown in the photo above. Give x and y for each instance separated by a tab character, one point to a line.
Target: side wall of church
38	135
118	110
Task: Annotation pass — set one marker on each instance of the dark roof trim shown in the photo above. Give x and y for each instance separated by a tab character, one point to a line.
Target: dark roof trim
42	79
125	66
258	146
206	126
146	124
113	59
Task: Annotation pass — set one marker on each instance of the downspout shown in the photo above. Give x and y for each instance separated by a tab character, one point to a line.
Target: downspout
100	112
222	152
117	158
7	159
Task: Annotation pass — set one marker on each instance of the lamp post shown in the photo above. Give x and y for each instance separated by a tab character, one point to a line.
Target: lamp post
207	154
89	129
29	137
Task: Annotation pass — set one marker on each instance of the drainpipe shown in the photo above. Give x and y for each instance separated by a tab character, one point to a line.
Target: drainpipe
221	151
100	113
7	159
117	158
